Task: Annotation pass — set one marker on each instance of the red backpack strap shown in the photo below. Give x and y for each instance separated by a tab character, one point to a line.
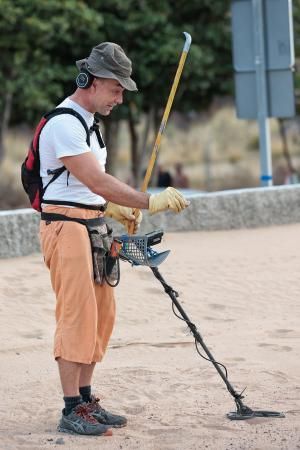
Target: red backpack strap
58	111
30	170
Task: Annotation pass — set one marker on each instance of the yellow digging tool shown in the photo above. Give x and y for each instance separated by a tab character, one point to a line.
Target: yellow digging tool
165	117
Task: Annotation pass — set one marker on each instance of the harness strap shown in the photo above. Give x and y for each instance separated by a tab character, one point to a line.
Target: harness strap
96	127
99	137
73	112
53	217
57	172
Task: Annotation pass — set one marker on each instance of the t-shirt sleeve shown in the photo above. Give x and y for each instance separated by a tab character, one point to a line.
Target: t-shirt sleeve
68	136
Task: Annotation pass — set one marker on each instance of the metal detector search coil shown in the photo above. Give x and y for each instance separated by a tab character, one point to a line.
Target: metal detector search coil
138	251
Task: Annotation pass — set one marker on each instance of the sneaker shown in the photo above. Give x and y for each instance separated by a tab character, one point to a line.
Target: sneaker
104	417
80	421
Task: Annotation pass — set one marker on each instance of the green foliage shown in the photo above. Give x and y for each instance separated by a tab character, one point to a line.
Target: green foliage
208	72
39	43
151	32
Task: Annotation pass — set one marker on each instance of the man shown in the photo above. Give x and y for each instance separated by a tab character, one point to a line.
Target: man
164	178
180	180
85	310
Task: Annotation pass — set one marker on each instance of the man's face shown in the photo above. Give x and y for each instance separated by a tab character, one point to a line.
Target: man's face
107	94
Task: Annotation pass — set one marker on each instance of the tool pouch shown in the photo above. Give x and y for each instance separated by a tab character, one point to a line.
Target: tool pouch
106	267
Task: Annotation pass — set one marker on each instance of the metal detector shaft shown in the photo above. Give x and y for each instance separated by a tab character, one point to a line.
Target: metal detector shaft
243	411
194	330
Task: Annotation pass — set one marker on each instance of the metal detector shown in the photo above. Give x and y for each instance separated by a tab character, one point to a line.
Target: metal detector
138	251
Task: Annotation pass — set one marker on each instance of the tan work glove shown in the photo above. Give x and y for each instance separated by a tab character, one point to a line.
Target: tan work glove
124	215
170	198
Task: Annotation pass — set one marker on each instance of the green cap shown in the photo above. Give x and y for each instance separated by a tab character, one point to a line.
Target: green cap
108	60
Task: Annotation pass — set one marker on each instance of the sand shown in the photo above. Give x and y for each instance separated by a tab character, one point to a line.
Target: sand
241	288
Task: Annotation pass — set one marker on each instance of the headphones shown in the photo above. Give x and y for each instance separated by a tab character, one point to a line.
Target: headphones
84	79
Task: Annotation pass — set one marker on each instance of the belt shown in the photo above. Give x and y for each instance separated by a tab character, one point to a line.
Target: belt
76	205
53	217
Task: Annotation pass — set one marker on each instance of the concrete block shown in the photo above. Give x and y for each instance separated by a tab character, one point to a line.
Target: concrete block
225	210
18	233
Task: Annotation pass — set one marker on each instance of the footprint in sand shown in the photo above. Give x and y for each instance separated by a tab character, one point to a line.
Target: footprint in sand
217	306
217	427
134	410
220	319
283	331
276	348
38	334
154	291
160	431
277	374
284	348
172	344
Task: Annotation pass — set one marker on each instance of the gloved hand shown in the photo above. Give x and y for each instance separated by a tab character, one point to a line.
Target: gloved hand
170	198
124	215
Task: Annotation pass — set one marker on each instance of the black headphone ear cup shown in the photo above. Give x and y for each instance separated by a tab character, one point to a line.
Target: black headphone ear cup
84	79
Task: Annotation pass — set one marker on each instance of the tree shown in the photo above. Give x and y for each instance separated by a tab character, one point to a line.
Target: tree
39	42
151	32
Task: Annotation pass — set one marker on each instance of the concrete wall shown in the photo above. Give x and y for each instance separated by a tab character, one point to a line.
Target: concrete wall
246	208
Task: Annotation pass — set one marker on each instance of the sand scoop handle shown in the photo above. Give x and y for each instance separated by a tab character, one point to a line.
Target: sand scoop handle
185	50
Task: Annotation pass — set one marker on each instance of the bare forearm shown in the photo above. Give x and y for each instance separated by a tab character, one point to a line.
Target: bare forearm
118	192
86	169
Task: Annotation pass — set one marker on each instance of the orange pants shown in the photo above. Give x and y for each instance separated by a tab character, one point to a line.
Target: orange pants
85	311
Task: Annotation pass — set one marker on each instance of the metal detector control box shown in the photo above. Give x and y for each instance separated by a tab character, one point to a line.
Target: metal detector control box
154	237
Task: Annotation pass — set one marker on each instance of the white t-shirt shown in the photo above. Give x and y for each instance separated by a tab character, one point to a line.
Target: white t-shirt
64	135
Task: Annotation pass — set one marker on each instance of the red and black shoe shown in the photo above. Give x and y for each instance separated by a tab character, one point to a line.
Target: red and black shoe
80	421
104	417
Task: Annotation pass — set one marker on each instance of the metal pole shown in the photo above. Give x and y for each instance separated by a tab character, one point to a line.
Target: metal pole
262	94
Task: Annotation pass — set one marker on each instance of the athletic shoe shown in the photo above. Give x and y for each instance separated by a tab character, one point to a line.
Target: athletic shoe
80	421
104	417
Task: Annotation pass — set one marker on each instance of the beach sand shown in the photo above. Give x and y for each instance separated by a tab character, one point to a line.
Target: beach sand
241	288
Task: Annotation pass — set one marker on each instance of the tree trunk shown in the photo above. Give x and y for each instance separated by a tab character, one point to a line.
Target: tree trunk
111	142
156	117
4	120
145	151
134	139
